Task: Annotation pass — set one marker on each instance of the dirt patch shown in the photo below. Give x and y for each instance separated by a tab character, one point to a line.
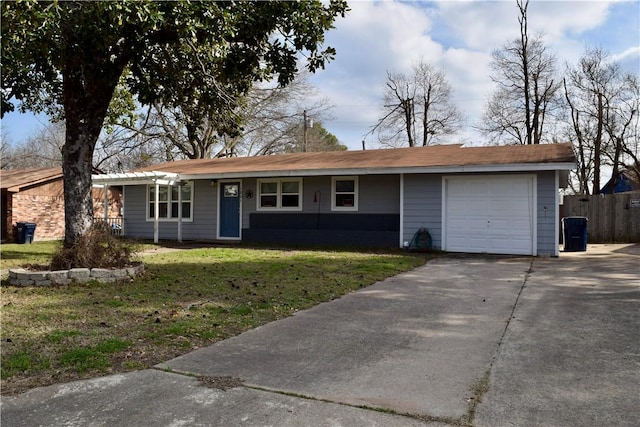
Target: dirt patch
222	383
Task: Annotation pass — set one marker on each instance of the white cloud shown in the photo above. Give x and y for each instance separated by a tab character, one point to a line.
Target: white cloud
561	19
628	54
481	26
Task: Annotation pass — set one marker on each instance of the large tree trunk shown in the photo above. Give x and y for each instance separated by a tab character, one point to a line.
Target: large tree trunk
87	94
524	46
598	147
408	117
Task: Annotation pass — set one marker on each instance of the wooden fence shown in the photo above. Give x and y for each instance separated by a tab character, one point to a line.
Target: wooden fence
612	217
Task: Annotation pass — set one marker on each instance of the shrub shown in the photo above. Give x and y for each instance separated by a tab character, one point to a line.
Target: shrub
98	248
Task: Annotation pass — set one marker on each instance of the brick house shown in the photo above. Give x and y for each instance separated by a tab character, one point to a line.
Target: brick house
36	195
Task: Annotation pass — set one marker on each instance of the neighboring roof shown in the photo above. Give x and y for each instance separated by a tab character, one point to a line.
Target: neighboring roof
15	180
433	159
626	181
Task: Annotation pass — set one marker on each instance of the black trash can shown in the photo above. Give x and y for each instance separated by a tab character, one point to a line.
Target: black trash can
19	234
575	233
29	231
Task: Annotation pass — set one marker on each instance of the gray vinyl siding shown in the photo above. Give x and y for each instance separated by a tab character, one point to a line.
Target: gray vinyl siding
423	206
203	226
134	212
547	219
377	194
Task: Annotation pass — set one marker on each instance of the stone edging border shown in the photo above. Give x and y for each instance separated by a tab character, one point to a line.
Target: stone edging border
22	277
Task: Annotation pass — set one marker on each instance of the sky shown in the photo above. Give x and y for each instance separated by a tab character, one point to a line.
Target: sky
454	36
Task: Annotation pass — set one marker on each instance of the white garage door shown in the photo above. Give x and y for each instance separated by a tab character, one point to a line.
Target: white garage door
489	214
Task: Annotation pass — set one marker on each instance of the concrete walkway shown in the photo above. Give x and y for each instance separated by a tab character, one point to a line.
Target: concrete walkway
555	340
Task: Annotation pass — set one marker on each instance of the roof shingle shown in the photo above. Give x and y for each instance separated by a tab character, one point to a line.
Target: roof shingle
15	180
417	157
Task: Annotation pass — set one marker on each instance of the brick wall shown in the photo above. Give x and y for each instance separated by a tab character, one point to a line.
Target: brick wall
115	202
44	205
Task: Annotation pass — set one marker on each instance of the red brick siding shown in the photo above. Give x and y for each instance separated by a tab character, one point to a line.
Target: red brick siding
44	205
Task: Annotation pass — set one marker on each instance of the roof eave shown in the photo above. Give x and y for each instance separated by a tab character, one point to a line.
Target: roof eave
17	188
516	167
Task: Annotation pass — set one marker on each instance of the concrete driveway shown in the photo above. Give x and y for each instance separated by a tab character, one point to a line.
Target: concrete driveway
463	340
571	354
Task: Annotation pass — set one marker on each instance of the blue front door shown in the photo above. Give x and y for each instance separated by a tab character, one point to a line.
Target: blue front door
230	210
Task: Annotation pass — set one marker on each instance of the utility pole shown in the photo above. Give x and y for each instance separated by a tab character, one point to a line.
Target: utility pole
304	138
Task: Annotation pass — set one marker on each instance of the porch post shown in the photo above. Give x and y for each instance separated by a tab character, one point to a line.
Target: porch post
180	212
105	188
556	215
156	213
401	243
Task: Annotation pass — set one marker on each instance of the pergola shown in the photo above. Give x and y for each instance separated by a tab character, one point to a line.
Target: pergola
142	178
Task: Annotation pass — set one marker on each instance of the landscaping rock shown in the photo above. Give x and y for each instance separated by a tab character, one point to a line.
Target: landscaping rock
80	275
38	276
59	277
120	273
22	277
101	273
19	273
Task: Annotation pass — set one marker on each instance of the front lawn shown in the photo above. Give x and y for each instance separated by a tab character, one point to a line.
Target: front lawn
14	255
185	300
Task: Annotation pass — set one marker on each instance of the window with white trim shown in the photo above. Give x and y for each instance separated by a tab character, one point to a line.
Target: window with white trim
280	194
344	193
169	199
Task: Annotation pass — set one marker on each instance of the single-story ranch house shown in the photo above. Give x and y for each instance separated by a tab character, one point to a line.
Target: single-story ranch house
502	200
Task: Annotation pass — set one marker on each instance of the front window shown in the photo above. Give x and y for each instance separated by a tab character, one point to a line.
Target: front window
280	194
344	193
169	199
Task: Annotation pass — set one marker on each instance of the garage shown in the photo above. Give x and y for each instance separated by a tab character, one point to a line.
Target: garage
489	214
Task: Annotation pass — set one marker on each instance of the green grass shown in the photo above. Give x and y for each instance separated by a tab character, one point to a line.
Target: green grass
13	255
185	300
94	358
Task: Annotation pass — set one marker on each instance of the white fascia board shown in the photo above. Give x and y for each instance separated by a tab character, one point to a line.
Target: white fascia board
519	167
135	178
102	183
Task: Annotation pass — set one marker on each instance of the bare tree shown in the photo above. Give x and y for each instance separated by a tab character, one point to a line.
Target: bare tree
274	117
602	104
181	133
418	109
271	117
42	150
527	89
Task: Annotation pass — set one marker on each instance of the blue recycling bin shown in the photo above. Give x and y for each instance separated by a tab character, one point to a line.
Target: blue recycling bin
25	232
29	231
575	233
